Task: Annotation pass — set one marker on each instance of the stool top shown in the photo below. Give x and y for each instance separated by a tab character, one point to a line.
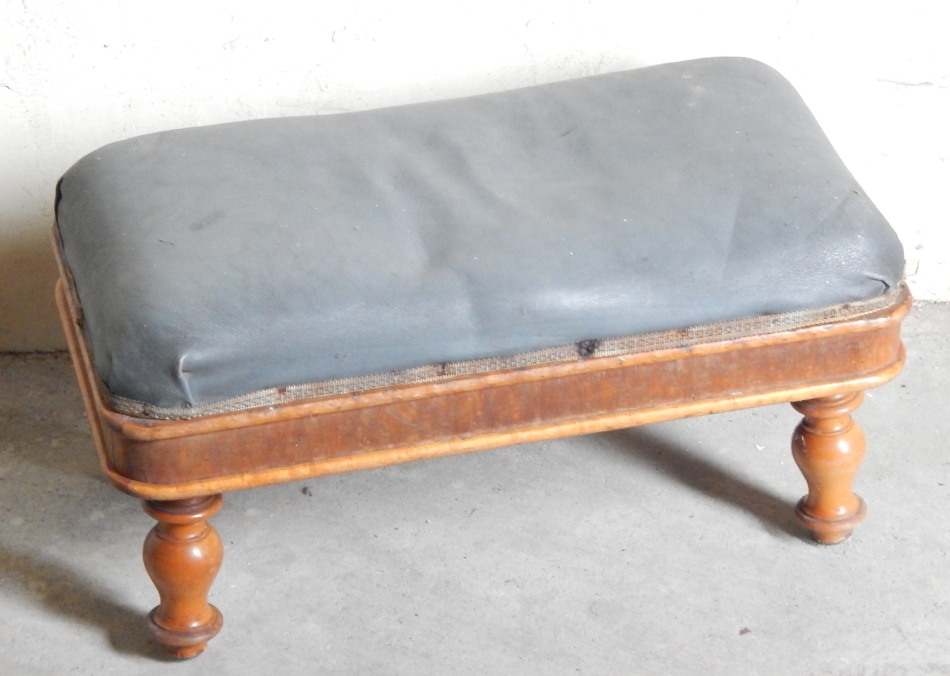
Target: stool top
216	261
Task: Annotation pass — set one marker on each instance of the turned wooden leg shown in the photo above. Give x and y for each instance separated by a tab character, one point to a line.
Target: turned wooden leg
828	446
182	556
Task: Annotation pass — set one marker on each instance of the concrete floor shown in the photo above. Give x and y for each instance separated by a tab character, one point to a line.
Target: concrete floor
669	549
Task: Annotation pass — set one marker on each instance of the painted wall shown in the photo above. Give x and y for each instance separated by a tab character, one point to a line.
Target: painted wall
75	75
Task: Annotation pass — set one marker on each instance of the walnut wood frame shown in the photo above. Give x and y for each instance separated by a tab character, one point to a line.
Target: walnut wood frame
180	467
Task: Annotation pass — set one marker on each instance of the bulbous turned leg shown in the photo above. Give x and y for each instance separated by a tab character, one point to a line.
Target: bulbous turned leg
182	556
828	446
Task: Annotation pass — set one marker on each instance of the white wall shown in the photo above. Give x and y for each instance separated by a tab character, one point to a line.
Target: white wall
75	75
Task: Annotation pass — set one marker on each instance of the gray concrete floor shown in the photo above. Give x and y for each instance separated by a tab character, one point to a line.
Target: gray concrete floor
668	549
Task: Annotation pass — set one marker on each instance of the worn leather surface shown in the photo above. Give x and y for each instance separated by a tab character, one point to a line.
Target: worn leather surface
215	261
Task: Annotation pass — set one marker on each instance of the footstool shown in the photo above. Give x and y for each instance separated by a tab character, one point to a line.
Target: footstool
280	299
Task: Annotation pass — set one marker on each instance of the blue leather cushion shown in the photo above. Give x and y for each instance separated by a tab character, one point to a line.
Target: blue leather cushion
215	261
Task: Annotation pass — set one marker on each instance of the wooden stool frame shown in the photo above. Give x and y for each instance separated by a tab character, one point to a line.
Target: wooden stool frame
179	468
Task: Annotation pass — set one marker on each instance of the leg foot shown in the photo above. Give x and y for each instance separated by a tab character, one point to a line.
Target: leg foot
182	556
828	446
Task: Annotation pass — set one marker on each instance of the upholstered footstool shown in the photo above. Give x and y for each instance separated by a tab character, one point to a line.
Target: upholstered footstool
279	299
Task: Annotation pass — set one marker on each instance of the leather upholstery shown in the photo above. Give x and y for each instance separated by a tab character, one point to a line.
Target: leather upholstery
215	261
